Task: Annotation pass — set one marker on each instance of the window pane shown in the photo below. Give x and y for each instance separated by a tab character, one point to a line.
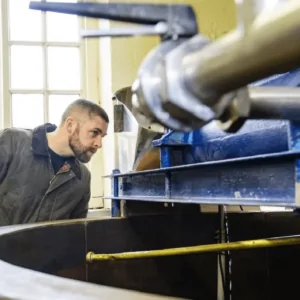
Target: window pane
24	23
26	67
63	68
62	27
57	105
27	110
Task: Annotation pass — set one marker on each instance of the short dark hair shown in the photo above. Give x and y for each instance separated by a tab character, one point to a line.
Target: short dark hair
91	108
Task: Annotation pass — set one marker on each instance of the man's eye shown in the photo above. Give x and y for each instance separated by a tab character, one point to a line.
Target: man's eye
95	132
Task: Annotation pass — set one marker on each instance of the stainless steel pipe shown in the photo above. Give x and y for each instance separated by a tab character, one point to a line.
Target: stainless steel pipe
275	103
271	46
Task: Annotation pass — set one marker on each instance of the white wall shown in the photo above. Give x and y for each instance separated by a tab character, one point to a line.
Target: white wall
92	88
106	93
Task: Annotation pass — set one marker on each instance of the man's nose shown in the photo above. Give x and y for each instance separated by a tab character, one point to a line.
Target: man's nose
98	142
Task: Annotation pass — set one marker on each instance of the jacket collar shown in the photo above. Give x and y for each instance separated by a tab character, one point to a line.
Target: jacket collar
39	146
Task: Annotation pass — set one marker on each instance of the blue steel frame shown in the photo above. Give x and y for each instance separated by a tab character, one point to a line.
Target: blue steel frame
259	165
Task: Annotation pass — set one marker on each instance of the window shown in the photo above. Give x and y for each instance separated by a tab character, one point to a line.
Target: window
44	67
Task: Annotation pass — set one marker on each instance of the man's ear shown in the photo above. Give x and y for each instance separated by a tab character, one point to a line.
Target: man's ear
70	125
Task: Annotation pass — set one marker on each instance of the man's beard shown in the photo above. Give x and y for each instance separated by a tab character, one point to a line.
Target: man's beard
80	152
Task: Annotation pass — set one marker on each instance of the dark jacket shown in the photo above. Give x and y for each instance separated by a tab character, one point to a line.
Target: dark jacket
29	190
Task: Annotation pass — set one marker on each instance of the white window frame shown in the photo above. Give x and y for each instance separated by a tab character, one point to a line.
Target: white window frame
6	46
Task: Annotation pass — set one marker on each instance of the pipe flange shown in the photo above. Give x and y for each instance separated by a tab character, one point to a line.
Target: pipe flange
146	98
176	99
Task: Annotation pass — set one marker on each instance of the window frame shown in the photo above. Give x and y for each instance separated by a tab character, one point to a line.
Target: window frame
6	101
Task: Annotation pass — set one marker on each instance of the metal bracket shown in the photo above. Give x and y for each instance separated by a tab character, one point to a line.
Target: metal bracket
167	21
160	29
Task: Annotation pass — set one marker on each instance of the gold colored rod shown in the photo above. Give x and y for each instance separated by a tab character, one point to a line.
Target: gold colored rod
260	243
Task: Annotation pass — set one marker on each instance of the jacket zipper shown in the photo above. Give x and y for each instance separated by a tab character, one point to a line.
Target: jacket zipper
55	176
50	184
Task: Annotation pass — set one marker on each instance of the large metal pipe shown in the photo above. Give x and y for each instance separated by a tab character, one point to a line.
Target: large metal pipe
271	46
275	103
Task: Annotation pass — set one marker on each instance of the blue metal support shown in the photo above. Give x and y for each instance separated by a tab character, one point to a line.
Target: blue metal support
295	145
258	165
165	156
115	204
259	180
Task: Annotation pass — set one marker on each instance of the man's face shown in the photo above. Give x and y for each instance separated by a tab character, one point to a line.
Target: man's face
87	138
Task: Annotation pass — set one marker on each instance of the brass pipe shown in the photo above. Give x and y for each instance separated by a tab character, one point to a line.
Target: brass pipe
251	244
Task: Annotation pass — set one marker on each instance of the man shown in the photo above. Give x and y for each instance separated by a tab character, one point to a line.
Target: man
42	171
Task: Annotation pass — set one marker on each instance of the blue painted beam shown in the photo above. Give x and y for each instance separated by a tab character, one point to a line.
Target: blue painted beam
115	204
260	180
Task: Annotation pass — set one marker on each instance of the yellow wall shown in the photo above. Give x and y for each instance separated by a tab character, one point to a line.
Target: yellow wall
119	59
215	17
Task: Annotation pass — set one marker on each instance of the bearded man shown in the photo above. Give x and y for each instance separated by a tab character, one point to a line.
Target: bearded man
42	171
